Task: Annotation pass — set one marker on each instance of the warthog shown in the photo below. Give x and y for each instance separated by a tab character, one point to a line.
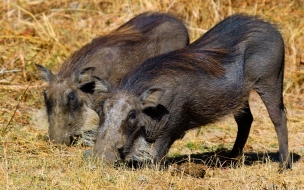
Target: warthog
70	93
169	94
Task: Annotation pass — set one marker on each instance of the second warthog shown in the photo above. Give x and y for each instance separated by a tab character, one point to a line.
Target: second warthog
69	94
212	77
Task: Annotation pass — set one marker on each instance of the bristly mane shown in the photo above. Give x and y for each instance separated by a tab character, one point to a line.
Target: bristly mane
187	60
134	31
147	21
201	60
206	55
121	37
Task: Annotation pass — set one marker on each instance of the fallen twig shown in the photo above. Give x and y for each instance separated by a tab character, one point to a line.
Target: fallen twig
6	129
3	71
19	87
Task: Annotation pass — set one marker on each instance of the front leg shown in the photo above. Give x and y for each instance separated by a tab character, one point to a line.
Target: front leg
244	120
161	147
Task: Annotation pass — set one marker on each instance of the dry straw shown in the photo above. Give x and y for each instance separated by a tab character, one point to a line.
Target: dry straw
47	32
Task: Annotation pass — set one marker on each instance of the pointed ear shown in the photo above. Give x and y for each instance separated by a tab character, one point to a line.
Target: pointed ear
101	85
85	76
44	74
151	97
85	80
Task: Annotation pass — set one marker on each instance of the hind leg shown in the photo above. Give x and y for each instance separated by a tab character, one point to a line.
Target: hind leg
273	100
244	120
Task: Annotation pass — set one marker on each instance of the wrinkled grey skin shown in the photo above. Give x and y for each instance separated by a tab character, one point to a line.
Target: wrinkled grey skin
212	77
69	96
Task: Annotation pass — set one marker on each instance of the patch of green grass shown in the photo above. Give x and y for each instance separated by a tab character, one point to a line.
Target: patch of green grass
274	145
192	145
175	154
205	148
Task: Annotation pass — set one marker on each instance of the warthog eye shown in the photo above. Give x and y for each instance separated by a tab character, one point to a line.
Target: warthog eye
132	119
72	97
132	114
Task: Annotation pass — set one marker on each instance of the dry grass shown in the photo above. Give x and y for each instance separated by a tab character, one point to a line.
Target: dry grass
47	32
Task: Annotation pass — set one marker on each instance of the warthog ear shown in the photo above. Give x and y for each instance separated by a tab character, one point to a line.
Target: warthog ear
85	79
101	85
151	97
86	75
44	74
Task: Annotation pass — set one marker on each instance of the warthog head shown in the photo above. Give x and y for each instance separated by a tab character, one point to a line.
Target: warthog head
123	134
69	106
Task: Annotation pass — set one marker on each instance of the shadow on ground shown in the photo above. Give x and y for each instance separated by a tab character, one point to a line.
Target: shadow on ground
220	158
196	165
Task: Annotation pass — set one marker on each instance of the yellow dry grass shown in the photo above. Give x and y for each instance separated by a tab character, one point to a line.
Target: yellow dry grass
46	32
